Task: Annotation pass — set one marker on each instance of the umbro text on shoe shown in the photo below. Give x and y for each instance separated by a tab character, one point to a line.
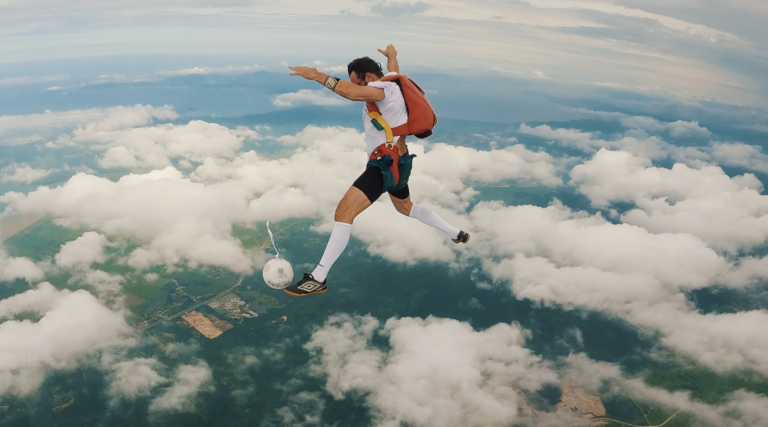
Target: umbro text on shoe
307	286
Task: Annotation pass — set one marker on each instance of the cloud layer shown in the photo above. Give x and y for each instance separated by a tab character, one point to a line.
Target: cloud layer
439	372
71	326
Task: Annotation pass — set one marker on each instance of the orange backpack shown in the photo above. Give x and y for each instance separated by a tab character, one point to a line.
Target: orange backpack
421	116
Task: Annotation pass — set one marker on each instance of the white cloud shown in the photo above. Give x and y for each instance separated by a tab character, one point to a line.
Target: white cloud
83	251
441	372
453	164
24	174
756	127
682	129
395	9
330	69
134	378
639	143
188	382
740	155
555	256
309	97
96	119
728	213
303	409
154	147
107	287
437	372
73	325
24	80
182	220
230	69
677	129
190	219
12	268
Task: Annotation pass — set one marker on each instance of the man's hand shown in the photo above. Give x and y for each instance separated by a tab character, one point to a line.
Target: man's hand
343	88
307	72
389	52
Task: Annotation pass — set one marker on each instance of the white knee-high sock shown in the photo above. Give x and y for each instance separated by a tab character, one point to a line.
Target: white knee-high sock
425	215
336	245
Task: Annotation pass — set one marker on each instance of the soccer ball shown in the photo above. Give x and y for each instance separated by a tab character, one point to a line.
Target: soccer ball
278	273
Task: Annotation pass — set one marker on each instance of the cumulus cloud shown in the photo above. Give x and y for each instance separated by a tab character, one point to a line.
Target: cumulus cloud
395	9
642	137
309	97
558	257
12	268
72	325
740	155
332	69
304	409
25	80
154	147
134	378
96	119
728	213
182	220
437	372
83	251
190	218
441	372
639	143
683	129
677	129
188	382
23	174
106	286
230	69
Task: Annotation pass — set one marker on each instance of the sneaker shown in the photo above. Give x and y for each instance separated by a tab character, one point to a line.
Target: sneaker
306	286
463	237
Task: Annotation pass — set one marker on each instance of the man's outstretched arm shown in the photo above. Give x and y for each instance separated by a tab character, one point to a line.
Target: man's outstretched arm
342	88
391	55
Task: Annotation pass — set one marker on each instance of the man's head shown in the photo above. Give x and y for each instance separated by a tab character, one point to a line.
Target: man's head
364	70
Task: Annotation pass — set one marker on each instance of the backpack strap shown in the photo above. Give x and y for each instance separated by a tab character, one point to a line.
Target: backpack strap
381	124
378	121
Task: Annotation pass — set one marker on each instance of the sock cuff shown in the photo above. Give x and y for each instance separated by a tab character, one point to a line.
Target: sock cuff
419	211
341	224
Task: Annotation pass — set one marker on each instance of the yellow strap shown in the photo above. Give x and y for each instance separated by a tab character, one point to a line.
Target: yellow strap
387	129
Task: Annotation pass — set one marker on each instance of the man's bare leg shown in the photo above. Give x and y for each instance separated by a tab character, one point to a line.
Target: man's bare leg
403	206
351	205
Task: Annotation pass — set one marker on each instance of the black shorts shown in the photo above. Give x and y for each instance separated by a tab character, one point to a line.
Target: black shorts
371	183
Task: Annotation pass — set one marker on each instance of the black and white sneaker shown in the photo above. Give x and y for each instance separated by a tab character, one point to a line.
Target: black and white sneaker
306	286
463	237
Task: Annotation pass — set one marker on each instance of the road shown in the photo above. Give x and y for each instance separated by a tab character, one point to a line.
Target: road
198	305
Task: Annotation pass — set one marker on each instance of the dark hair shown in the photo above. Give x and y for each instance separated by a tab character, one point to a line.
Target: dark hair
364	65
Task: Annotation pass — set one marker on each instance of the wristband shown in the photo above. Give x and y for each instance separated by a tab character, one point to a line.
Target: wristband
331	82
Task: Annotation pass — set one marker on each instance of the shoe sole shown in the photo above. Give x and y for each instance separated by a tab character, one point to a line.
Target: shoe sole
465	242
303	295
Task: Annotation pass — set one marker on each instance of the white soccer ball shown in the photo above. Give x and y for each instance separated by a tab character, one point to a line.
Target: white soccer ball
278	273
